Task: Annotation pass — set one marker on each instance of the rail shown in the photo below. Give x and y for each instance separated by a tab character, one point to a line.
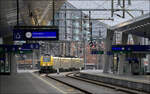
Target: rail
82	90
118	88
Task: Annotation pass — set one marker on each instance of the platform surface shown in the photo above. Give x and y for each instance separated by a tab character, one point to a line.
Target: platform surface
25	83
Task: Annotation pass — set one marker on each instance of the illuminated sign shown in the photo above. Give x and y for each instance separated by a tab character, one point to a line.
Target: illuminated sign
44	34
131	48
16	48
30	46
35	33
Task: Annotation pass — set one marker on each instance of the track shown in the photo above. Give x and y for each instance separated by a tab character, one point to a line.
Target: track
75	87
86	86
118	88
66	89
90	86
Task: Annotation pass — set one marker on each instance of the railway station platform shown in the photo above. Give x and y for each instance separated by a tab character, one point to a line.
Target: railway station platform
137	82
25	83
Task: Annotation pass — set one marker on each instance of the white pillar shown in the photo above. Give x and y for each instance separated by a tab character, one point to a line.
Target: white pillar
84	51
12	61
149	57
108	58
33	59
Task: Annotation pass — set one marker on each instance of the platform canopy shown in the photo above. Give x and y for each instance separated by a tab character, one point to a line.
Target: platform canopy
31	12
139	26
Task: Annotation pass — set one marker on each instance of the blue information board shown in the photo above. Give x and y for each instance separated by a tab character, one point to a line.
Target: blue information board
130	47
35	33
24	47
9	48
30	46
44	34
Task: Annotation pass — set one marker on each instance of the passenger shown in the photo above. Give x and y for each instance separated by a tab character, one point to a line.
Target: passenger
31	67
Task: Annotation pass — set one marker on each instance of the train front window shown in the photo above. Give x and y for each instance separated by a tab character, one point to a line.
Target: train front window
46	59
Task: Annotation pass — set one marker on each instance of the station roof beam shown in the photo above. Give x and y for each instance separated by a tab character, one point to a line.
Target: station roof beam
139	26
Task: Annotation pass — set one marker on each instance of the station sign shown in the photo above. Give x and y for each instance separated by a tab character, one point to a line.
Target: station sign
35	33
97	52
9	48
130	48
30	46
19	48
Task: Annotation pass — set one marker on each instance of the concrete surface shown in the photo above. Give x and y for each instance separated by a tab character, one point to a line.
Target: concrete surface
25	83
138	82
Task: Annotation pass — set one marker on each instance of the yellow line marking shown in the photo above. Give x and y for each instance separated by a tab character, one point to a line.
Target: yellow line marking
59	84
70	89
49	83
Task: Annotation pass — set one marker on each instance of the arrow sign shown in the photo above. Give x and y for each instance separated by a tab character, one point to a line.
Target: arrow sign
30	46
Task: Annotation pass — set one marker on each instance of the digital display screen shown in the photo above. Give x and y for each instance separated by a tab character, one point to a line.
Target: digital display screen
20	34
130	47
44	35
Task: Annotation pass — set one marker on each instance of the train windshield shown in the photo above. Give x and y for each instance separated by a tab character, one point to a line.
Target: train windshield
46	59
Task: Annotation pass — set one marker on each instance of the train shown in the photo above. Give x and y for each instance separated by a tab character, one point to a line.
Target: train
51	64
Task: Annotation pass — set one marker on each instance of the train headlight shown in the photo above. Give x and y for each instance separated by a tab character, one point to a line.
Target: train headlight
43	64
48	64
